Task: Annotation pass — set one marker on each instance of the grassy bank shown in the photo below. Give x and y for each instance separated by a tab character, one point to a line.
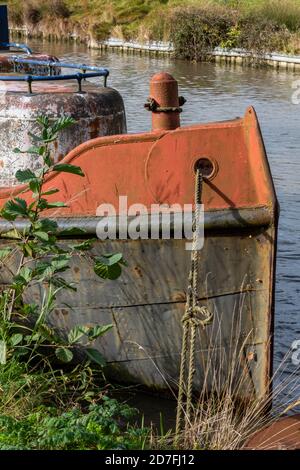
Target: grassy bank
194	26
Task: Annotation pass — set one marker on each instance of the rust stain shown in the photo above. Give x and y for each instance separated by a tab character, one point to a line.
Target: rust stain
138	271
179	297
94	128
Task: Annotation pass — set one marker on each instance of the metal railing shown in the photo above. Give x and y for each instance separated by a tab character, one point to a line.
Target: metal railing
87	71
16	45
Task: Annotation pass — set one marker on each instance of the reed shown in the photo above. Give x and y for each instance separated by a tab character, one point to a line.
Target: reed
223	416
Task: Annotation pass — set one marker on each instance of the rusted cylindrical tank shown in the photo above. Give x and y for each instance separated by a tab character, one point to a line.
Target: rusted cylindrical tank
98	112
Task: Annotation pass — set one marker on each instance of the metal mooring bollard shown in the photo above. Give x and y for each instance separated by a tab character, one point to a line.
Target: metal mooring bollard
164	102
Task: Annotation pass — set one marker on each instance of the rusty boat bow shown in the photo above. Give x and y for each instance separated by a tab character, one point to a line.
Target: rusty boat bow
156	170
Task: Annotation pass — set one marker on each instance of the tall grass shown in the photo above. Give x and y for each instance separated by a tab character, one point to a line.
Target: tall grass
222	422
282	12
230	407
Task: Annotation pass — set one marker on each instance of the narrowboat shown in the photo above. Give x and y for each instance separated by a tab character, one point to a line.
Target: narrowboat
154	172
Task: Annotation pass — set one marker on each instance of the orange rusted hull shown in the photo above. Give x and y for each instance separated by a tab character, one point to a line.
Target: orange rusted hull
158	167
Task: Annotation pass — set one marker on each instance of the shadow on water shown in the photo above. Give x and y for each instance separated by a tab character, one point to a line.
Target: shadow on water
153	410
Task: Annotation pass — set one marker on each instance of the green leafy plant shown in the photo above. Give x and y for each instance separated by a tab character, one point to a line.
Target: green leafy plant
41	259
102	426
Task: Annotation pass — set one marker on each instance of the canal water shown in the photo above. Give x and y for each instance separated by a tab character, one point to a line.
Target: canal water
218	92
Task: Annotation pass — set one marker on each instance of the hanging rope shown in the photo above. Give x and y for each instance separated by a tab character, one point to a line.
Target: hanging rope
194	317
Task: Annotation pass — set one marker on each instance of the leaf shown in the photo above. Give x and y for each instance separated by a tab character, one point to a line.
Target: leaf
111	259
44	204
3	352
14	234
71	231
49	333
107	272
24	276
47	159
64	354
34	137
67	168
34	186
51	191
62	123
43	121
21	351
85	329
26	273
55	204
75	334
27	249
16	339
25	176
5	252
97	331
95	356
43	268
46	225
16	208
42	236
85	245
61	283
34	150
61	262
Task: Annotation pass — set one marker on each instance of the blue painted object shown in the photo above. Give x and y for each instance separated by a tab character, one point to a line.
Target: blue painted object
16	45
4	33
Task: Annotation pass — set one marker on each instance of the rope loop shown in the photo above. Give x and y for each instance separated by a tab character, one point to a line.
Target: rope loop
195	315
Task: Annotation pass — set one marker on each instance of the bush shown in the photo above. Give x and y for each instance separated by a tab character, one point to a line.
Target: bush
261	35
196	32
35	11
32	13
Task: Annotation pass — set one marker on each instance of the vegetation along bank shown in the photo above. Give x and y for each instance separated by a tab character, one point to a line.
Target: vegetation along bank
194	27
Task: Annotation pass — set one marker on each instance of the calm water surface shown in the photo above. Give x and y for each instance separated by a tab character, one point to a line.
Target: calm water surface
218	92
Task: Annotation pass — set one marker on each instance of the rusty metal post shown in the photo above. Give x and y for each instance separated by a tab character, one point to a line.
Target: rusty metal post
164	102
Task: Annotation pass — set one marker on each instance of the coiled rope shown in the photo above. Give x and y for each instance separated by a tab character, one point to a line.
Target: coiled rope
194	316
